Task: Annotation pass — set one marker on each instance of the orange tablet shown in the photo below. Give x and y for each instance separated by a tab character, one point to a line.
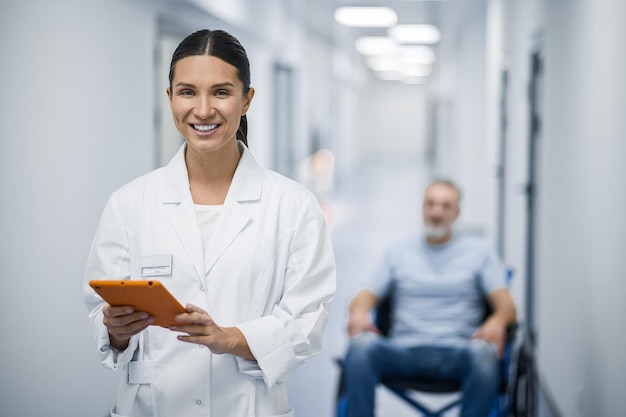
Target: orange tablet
143	295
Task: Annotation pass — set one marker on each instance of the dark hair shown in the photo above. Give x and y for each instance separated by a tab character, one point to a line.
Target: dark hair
224	46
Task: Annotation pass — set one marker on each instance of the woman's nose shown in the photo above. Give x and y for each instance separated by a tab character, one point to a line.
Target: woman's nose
204	109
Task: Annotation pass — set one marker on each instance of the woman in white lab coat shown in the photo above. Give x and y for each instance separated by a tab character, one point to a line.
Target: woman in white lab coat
245	249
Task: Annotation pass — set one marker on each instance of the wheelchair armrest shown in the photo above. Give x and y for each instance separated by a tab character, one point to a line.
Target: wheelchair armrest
511	332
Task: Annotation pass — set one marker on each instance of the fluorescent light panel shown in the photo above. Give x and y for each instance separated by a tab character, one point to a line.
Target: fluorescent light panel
413	71
383	63
366	16
418	54
376	45
393	64
427	34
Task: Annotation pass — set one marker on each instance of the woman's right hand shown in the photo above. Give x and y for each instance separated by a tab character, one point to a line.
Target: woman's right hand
123	322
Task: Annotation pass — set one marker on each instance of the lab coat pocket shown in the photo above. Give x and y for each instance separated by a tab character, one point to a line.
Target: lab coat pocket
156	266
271	402
135	396
140	372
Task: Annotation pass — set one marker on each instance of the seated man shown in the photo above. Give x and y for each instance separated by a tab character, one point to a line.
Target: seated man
439	283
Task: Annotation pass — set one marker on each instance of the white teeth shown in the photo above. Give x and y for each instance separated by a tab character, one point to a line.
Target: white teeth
204	128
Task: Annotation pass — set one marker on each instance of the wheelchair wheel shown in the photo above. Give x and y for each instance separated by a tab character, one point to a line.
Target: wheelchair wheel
524	390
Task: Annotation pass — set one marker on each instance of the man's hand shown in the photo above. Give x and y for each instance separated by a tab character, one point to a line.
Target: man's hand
493	330
504	313
360	307
358	323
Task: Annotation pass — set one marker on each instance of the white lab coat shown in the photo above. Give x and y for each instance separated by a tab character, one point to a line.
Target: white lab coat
269	270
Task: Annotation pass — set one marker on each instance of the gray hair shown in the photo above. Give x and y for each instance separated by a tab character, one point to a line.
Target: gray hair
447	182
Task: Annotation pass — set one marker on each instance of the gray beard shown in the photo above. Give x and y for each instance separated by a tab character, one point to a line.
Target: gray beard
436	232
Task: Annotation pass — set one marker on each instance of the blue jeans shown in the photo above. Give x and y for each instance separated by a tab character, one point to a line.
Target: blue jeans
371	357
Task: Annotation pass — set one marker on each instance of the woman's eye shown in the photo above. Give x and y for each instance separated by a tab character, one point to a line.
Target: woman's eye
221	93
185	92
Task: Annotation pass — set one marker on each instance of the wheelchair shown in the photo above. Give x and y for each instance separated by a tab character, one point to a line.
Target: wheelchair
514	392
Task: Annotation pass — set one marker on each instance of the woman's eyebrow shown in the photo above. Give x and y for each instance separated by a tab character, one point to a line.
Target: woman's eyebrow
218	85
182	84
224	84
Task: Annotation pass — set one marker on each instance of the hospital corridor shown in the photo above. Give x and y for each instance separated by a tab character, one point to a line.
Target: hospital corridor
518	106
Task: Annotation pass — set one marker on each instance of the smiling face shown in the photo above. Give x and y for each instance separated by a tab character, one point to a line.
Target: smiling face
207	99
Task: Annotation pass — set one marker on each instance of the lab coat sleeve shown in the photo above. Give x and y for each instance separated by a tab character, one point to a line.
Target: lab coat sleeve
109	258
292	333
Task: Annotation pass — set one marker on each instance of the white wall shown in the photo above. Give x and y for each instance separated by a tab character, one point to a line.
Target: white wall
607	100
465	147
581	229
582	200
390	121
563	261
522	26
76	122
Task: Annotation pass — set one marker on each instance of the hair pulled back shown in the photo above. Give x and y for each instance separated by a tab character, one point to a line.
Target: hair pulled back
224	46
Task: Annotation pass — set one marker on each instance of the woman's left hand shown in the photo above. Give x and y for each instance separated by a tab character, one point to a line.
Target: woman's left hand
201	329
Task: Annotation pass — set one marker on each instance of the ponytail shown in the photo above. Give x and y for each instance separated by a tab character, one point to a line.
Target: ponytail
242	132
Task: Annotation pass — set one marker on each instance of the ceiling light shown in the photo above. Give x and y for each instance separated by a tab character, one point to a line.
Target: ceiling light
376	45
366	16
418	54
415	34
412	71
383	63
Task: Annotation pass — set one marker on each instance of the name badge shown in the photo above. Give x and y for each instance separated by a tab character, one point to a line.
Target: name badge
156	265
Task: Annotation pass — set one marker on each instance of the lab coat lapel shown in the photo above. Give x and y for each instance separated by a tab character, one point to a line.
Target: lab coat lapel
244	191
176	196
